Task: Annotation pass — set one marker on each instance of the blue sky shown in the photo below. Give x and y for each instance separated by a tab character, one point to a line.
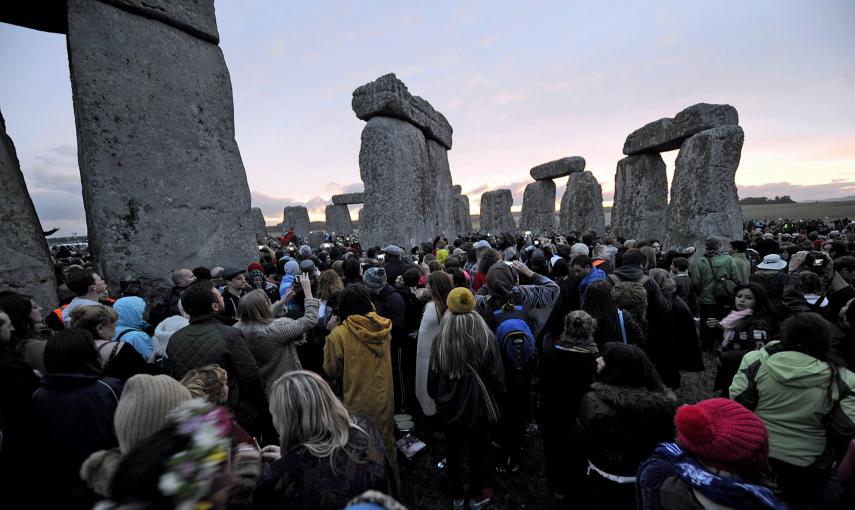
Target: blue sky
521	83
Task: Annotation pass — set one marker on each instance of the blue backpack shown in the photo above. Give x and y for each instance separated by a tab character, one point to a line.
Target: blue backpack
515	337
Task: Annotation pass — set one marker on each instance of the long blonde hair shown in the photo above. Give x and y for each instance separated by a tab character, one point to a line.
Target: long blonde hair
439	284
210	382
464	339
306	413
255	307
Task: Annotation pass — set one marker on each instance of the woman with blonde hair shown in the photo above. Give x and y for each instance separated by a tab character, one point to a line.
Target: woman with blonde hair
439	284
272	341
210	382
466	375
325	456
118	359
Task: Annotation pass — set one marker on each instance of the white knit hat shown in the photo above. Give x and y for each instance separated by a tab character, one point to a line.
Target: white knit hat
142	409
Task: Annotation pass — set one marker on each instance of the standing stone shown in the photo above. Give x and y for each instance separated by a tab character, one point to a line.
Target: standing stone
296	217
457	189
558	168
496	216
668	134
462	218
438	156
163	181
641	197
538	209
387	96
315	238
348	198
400	192
582	205
704	201
260	224
338	220
27	267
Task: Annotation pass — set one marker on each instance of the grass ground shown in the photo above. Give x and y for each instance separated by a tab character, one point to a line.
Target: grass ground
423	483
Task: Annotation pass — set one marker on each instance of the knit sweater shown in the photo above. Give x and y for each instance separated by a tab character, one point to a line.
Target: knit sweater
274	345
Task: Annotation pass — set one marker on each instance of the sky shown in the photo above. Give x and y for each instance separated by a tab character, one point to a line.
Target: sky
521	83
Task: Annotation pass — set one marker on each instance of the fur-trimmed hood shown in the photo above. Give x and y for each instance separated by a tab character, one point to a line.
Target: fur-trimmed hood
634	398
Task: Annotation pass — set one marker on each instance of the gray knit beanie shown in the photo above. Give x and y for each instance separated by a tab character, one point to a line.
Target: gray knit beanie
142	410
374	278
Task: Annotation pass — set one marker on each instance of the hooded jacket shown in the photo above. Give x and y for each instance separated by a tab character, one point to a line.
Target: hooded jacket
130	310
359	351
703	274
789	391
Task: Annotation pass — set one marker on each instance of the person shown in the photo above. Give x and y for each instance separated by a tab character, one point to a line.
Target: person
747	327
167	327
18	381
389	304
738	247
131	325
613	323
439	284
73	416
88	288
503	298
210	383
714	276
358	349
718	461
392	264
487	256
117	359
680	275
207	341
638	295
796	387
676	347
325	457
233	292
189	463
142	410
840	275
255	279
25	316
626	413
586	274
181	279
352	271
772	276
566	373
272	341
466	376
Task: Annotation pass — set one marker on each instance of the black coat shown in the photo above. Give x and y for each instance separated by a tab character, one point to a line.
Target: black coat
207	341
73	417
460	402
390	304
618	427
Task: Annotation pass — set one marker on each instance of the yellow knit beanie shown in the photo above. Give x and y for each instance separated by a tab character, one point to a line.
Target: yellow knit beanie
460	300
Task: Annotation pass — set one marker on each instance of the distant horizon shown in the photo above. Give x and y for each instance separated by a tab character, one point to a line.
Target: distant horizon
520	85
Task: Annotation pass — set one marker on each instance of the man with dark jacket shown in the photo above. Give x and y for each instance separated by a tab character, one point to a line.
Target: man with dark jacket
393	265
390	304
658	306
207	341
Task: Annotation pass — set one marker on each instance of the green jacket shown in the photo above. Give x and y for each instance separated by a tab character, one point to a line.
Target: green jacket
789	391
701	274
744	267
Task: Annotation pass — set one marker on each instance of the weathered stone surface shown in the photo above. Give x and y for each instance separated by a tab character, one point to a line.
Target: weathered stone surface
315	238
456	189
704	201
163	182
582	205
338	220
296	217
387	96
438	158
538	209
400	192
195	17
496	216
558	168
462	218
27	266
641	197
668	134
348	198
260	224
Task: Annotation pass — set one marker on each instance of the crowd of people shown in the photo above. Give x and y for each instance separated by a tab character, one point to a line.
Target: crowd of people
302	380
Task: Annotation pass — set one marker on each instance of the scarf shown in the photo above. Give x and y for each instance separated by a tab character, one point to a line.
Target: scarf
670	460
731	322
715	252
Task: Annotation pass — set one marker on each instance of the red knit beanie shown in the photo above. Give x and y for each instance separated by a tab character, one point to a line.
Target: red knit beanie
255	266
723	434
